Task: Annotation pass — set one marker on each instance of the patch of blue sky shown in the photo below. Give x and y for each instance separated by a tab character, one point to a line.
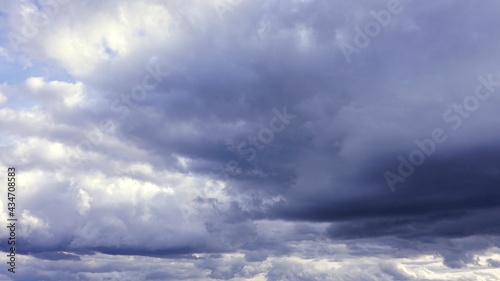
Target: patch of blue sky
14	71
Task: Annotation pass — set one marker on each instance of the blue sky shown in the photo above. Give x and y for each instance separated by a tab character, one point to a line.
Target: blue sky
252	140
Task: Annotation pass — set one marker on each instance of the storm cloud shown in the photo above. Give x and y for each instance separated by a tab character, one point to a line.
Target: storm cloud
252	140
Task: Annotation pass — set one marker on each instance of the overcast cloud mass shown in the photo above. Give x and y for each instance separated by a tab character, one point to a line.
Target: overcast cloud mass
251	139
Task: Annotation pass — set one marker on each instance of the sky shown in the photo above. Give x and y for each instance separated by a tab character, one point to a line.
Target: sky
251	139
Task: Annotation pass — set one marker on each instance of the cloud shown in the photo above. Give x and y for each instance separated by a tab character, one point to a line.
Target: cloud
3	99
156	133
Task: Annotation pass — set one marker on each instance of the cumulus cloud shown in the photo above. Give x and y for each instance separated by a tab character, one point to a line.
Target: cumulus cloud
224	139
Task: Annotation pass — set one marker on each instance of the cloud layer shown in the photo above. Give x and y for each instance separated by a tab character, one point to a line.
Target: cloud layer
198	140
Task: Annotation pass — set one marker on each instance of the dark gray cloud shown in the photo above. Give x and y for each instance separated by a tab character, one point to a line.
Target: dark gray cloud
227	143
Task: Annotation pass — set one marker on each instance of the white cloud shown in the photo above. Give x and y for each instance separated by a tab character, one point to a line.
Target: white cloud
109	34
143	187
3	98
31	223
